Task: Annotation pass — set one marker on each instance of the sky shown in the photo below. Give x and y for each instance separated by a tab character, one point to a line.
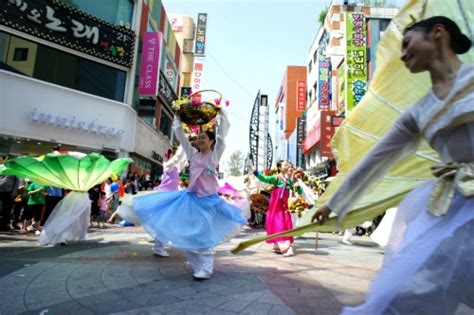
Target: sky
249	44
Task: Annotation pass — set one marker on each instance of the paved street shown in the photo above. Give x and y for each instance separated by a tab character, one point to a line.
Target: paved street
114	272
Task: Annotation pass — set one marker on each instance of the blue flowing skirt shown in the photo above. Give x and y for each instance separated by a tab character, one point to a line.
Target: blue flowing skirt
183	220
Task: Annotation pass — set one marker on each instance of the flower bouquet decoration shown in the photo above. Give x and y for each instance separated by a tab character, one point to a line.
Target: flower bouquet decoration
194	111
72	171
297	205
259	202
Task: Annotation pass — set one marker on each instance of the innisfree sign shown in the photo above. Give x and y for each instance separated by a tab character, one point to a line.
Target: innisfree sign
75	123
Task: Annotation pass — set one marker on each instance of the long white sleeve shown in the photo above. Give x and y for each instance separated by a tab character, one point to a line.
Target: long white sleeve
307	193
178	159
401	140
188	149
222	130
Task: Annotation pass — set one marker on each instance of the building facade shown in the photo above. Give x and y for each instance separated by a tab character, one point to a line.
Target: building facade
340	65
70	76
185	29
290	104
153	105
66	77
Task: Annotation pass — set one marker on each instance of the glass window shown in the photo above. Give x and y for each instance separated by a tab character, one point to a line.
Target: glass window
58	67
21	54
165	124
116	12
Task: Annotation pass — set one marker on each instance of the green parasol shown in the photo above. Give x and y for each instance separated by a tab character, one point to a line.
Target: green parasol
77	172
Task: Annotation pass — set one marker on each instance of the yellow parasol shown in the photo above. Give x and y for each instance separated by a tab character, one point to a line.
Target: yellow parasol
392	90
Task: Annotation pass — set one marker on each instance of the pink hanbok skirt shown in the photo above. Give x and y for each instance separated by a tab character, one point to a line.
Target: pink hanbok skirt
278	218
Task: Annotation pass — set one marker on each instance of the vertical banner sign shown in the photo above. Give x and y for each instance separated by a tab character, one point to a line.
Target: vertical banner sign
200	47
356	58
197	74
300	95
300	132
282	117
327	131
170	74
150	64
324	84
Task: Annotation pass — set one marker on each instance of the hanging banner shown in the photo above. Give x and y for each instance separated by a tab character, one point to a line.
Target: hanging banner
356	59
200	47
324	83
327	131
300	133
197	74
171	74
150	64
165	91
300	95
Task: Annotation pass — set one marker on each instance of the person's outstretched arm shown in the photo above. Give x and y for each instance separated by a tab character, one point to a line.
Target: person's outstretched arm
177	160
269	179
183	140
222	129
401	140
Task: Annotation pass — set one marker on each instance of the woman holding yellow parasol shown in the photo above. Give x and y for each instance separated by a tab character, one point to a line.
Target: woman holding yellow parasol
429	267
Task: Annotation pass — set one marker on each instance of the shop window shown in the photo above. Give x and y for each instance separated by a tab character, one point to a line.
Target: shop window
61	68
141	163
117	12
20	54
165	124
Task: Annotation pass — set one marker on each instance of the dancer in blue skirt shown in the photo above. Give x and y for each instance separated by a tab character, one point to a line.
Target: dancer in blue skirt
195	219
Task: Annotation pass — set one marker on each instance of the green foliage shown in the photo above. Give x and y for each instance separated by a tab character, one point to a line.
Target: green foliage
235	163
322	15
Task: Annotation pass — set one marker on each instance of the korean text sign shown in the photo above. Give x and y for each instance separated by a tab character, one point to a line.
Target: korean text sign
327	132
200	46
356	58
57	22
301	95
197	74
324	85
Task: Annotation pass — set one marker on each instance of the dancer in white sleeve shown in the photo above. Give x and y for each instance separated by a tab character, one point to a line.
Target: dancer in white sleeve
429	266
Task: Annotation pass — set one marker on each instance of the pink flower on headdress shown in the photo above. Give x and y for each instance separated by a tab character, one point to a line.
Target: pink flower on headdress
217	101
196	130
194	102
227	102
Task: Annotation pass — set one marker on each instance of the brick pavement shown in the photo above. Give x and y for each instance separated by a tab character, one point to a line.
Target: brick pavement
114	272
